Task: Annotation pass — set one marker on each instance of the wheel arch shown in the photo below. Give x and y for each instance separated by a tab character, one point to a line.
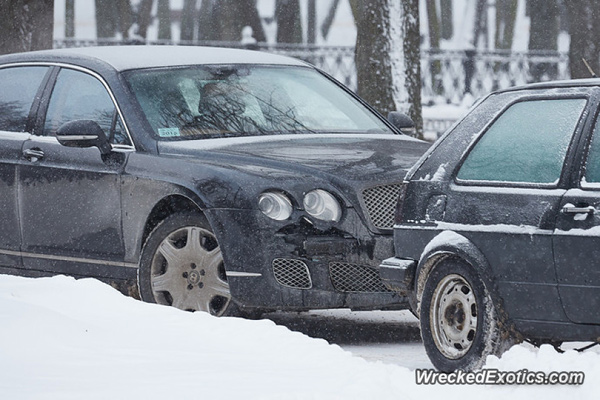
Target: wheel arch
168	205
452	245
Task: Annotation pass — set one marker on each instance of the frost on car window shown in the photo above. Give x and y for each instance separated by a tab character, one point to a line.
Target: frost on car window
527	144
220	101
592	166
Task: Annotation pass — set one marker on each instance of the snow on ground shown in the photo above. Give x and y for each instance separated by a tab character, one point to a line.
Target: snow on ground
68	339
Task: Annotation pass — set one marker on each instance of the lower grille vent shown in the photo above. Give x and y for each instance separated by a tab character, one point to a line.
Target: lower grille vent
292	273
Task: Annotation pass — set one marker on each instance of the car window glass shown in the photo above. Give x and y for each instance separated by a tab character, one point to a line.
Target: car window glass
592	165
527	144
18	87
77	95
216	101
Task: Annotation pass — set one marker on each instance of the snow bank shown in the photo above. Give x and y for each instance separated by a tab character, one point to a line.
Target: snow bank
67	339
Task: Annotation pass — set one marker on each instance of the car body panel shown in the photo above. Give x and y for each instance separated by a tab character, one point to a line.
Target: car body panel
528	252
80	212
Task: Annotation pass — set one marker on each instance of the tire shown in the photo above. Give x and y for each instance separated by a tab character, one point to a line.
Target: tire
460	325
181	266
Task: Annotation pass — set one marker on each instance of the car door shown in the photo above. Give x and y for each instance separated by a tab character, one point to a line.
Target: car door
19	86
508	191
70	199
577	238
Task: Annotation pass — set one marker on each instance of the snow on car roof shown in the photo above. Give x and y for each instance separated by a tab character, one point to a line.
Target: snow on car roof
133	57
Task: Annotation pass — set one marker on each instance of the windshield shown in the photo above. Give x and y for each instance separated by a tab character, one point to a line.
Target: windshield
221	101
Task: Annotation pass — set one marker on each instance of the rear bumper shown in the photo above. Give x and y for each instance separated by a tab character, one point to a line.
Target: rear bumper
398	274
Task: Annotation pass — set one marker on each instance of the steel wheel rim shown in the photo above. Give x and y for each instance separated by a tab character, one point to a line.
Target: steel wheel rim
453	316
187	272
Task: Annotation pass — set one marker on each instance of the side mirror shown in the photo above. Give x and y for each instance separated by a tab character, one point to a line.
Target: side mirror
403	122
83	133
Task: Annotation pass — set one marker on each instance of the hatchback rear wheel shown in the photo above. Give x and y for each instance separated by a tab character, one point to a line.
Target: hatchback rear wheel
460	325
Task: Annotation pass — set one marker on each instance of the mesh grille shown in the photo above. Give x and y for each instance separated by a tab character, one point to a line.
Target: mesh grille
291	273
381	204
355	278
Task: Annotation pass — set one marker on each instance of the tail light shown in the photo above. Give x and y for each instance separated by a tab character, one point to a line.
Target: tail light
398	218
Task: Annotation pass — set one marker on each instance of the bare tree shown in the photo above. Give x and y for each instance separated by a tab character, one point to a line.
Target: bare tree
70	18
187	19
543	34
372	53
112	17
446	19
26	25
584	32
224	20
506	15
412	61
164	20
289	24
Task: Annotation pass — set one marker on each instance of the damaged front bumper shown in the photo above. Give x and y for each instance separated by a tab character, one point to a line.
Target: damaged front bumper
296	266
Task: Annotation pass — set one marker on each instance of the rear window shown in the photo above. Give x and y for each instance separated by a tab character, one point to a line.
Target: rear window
526	144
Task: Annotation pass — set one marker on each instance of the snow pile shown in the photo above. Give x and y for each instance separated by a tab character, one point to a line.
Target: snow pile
67	339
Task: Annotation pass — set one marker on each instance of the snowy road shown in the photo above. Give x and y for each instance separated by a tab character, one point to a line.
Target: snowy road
389	336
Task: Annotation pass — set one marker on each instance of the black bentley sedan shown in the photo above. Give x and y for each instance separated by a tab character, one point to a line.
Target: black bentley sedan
498	228
206	179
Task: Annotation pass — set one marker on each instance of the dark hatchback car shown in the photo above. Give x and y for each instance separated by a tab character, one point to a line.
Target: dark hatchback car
497	233
211	179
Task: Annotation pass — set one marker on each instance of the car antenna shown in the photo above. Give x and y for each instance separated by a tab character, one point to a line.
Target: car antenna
589	68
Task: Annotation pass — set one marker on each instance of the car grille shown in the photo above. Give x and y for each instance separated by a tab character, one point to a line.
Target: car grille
381	204
291	273
355	278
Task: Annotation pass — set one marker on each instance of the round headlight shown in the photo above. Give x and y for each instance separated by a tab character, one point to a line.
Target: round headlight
322	205
275	205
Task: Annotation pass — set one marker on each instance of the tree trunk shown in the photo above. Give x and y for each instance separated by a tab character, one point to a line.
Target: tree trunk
26	25
582	21
311	36
372	54
233	16
144	17
434	44
208	26
412	61
446	19
480	25
106	18
163	14
125	17
289	24
506	15
326	25
70	18
543	35
187	20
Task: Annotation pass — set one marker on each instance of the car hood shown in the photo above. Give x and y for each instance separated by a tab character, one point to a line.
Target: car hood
349	157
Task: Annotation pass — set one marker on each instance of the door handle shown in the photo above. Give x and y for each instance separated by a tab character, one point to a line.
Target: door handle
571	209
34	154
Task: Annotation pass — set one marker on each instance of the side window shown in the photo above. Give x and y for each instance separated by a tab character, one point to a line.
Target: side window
77	95
527	144
592	165
18	87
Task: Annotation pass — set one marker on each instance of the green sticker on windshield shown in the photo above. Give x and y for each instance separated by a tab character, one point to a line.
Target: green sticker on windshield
168	132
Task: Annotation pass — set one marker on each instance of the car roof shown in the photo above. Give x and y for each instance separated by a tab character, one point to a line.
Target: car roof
571	83
123	58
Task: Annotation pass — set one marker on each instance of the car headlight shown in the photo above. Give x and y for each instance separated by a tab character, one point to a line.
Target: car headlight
322	205
275	205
